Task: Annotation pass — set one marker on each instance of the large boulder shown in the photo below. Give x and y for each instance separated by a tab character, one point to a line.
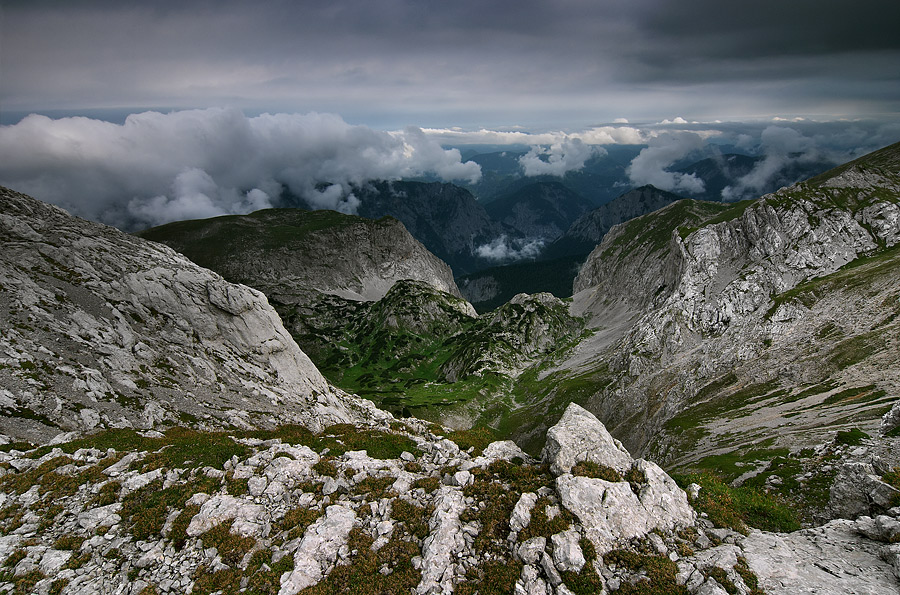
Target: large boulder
579	436
611	512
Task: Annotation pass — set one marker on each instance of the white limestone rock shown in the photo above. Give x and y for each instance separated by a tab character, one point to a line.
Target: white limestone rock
579	436
318	549
445	540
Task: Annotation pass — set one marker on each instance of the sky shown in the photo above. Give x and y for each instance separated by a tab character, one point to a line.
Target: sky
147	105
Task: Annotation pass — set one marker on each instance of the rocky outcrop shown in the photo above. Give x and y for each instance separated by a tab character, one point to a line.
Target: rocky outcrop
407	512
611	511
102	329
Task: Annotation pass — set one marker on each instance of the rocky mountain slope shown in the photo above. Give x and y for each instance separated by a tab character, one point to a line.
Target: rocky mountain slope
293	256
402	508
588	230
720	328
445	218
102	329
540	210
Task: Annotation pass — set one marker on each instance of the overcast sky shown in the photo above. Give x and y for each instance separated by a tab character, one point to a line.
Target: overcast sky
469	63
164	110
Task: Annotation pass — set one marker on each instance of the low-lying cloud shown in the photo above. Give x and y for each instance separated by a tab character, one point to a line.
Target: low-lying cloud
504	249
558	158
157	168
652	163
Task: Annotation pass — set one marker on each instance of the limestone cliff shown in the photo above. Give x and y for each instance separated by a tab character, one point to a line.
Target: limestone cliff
102	329
786	304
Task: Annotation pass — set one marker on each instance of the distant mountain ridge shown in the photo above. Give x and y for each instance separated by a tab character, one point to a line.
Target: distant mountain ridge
293	255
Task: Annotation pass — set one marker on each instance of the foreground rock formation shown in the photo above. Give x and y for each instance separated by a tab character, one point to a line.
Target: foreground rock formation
101	329
394	509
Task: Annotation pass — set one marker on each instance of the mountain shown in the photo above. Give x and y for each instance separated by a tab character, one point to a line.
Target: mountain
539	210
586	232
722	171
102	329
490	288
715	324
445	218
293	256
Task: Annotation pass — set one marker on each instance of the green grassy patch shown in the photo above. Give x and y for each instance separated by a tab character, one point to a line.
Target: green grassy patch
658	573
741	507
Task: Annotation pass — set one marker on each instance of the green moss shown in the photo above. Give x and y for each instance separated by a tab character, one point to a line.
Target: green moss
297	520
414	518
69	542
429	484
232	548
659	573
596	470
852	437
542	525
495	577
476	439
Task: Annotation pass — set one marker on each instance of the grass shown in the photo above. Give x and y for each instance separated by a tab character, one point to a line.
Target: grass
658	573
852	437
741	507
232	548
596	470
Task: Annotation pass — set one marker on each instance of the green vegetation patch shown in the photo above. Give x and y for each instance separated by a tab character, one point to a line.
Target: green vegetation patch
493	577
659	573
146	509
385	572
596	470
851	437
741	507
541	525
475	438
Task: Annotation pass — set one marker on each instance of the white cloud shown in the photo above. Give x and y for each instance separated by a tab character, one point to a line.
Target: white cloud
649	167
558	158
158	167
503	249
599	135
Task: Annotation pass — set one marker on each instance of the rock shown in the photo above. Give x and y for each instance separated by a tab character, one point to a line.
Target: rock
444	542
318	549
611	512
567	554
579	436
827	560
531	583
521	514
891	419
531	550
857	490
248	518
102	516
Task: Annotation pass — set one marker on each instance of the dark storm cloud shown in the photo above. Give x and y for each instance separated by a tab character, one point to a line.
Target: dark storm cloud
463	62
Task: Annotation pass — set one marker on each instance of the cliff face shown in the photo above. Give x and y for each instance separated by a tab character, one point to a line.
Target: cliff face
793	294
445	218
293	256
102	329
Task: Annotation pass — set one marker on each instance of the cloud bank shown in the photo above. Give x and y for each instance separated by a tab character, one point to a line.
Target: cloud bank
558	158
504	249
650	166
155	167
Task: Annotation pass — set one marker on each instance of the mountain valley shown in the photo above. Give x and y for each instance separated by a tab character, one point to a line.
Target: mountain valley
319	409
